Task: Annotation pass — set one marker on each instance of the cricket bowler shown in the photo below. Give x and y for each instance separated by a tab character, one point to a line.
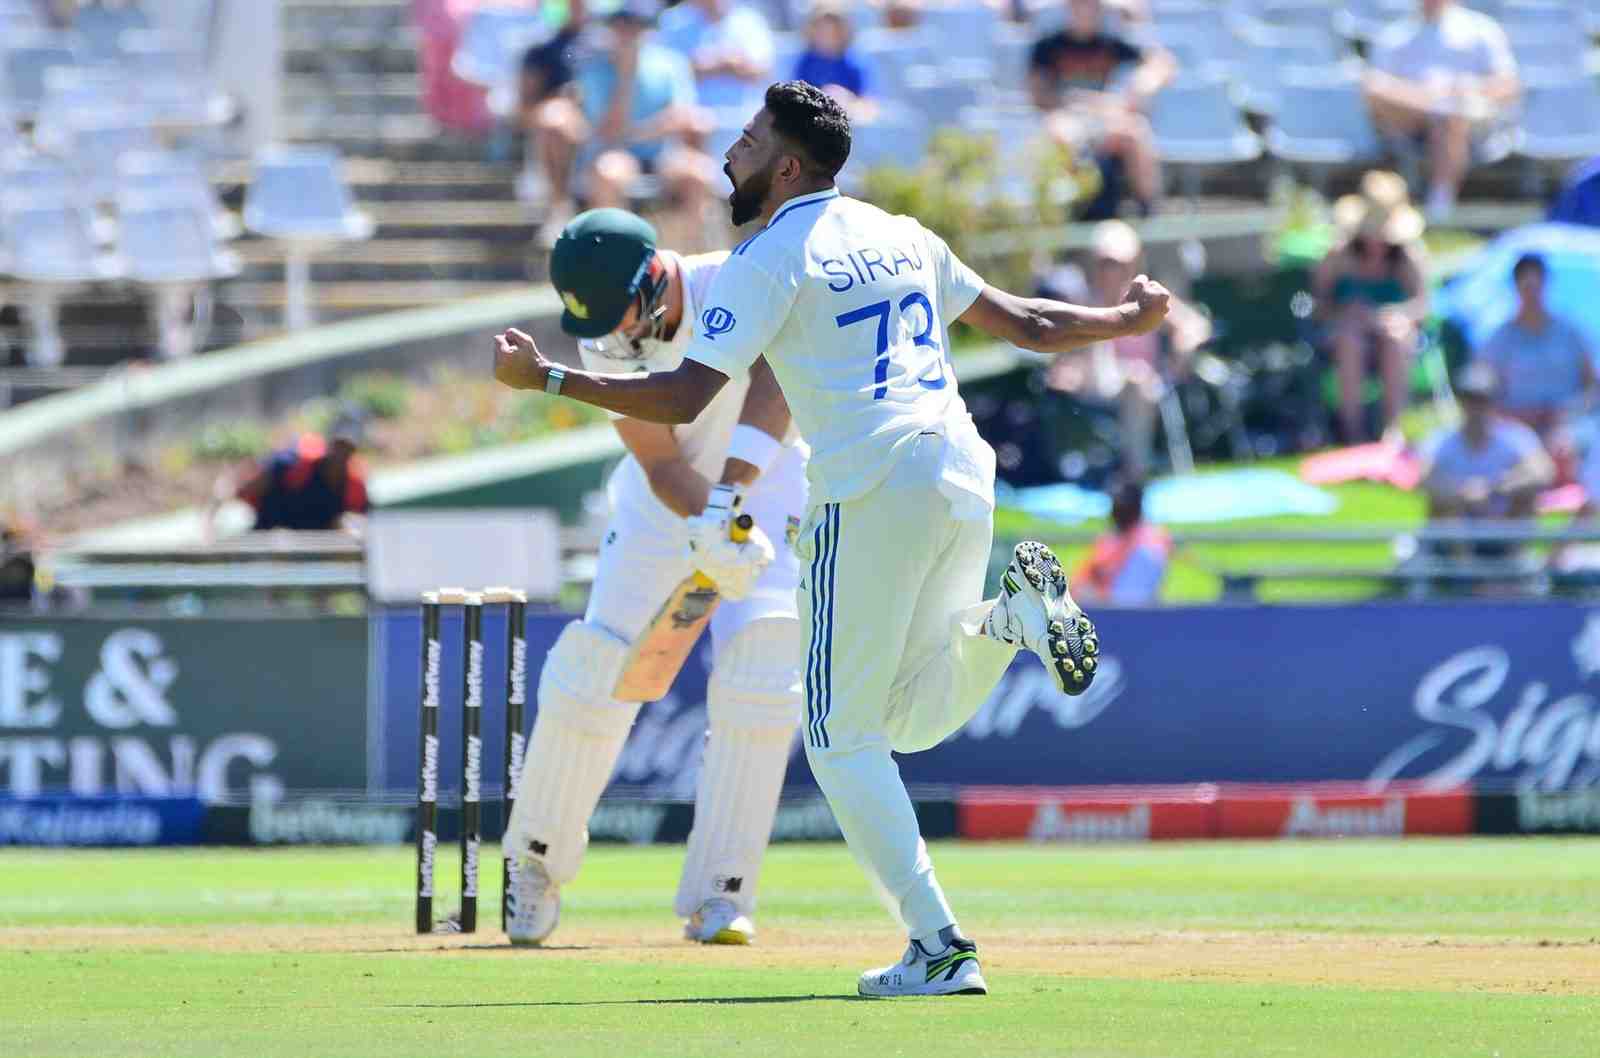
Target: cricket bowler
634	309
851	308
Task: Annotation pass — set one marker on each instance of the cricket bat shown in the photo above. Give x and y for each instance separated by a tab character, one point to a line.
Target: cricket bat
659	653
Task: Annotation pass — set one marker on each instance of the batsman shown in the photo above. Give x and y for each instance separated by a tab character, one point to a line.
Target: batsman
633	308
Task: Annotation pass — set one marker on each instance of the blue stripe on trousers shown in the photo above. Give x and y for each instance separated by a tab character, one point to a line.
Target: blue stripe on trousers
827	656
813	666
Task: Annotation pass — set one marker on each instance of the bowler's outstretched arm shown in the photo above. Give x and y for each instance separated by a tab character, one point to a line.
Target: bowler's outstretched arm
670	397
1047	326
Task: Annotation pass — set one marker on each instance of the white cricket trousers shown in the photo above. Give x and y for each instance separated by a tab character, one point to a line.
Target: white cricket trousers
891	598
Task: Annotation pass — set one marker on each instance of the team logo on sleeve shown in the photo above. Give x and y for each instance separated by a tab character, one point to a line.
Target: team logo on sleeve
574	306
716	320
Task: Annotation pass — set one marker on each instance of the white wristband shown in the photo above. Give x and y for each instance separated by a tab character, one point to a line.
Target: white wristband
754	446
553	379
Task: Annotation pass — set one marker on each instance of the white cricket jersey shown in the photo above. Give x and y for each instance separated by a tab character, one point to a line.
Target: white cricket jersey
705	441
851	306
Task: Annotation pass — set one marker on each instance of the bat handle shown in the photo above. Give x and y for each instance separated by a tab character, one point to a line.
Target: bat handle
738	532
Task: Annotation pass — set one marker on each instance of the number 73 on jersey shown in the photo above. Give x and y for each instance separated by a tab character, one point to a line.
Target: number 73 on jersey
934	377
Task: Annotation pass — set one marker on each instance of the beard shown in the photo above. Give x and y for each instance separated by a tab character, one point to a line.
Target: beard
747	198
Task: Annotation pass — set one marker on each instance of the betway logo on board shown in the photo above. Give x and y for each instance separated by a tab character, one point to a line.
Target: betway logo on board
430	842
430	675
1055	822
519	750
474	768
471	870
474	698
430	768
1577	810
1309	820
518	693
320	822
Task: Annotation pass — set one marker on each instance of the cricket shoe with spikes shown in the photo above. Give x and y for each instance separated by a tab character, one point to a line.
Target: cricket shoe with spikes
533	904
952	971
718	921
1036	611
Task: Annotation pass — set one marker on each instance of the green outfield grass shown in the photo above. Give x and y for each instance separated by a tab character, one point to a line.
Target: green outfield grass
1415	949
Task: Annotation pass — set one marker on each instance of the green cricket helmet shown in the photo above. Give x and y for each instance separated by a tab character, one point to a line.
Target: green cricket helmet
600	265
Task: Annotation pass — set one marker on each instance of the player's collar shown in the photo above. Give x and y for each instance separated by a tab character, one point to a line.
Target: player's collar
801	200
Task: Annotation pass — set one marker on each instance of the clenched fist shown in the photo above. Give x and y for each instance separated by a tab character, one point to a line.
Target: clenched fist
518	362
1145	304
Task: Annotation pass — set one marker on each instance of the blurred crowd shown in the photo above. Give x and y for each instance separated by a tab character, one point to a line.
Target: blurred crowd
626	100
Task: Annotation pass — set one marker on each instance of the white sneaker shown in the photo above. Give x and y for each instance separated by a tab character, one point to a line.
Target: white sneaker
533	904
718	921
1036	611
953	971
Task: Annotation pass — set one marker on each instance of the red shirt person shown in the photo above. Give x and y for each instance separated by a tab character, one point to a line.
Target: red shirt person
1127	565
312	485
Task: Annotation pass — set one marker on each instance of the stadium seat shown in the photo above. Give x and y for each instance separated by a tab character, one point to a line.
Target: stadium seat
1366	19
1590	10
896	135
1558	121
936	95
299	197
176	177
170	248
1197	124
51	250
98	143
1530	22
35	180
1272	56
100	29
26	61
174	86
962	31
1551	58
889	53
1013	47
1298	14
20	17
71	93
1200	38
1323	123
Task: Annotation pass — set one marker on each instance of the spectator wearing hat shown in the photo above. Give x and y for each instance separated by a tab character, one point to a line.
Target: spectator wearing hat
1126	566
630	110
1371	296
317	484
829	61
1544	363
1134	372
1070	76
1443	82
1490	466
730	48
